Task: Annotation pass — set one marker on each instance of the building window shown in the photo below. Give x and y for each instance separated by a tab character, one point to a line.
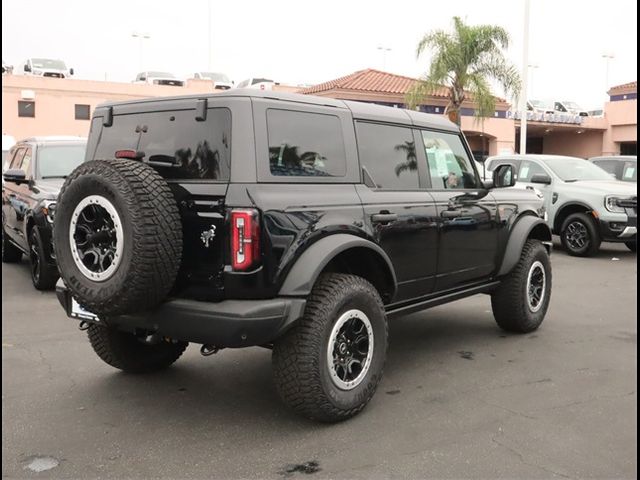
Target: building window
26	109
83	112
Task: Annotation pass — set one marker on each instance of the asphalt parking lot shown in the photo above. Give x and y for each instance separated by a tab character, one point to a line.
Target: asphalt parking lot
459	397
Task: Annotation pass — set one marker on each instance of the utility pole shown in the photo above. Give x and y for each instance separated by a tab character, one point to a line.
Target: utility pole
209	41
608	56
384	56
141	38
525	75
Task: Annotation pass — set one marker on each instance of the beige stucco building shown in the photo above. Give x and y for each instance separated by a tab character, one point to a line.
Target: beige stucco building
52	106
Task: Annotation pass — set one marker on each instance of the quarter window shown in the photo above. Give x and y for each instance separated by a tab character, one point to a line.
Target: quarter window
449	165
529	169
388	153
305	144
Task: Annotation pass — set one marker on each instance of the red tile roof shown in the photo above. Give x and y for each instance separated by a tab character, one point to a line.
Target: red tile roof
374	81
626	86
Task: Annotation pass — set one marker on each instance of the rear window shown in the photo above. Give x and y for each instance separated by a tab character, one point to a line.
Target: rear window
305	144
174	143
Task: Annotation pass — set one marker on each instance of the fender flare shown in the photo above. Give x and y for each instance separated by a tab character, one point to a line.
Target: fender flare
519	234
308	267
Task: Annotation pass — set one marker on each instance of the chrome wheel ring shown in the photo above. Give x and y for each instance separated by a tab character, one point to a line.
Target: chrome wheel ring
536	284
96	238
350	349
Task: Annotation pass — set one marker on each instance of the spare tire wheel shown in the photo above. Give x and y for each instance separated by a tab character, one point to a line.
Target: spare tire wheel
117	236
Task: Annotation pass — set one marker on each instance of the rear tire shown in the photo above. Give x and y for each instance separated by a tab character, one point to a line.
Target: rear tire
43	275
632	245
10	253
328	366
130	354
520	302
580	236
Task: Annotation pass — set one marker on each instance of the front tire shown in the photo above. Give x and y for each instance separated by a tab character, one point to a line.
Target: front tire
43	275
328	366
520	302
10	253
129	353
632	245
579	235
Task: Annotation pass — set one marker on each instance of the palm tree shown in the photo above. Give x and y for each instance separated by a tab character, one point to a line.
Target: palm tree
411	164
464	62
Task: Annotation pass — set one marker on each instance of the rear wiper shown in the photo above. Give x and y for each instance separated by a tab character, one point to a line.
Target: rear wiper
53	176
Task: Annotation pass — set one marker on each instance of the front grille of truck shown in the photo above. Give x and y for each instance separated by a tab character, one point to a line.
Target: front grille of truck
631	202
173	83
55	75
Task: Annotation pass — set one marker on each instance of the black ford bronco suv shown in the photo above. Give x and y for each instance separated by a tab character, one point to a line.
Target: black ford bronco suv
297	223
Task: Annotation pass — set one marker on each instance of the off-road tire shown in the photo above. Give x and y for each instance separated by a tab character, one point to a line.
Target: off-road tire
509	301
594	239
47	275
130	354
10	253
632	245
301	374
152	236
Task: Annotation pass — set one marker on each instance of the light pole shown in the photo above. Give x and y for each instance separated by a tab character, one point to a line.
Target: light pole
608	56
384	56
141	38
209	37
525	76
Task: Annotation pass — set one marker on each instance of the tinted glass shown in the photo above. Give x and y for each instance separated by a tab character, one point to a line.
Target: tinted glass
174	143
389	155
305	144
25	165
17	158
449	165
58	161
528	169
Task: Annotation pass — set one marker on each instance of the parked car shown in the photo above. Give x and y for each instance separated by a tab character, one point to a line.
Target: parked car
6	68
220	80
292	222
622	167
566	106
46	67
37	168
540	106
585	205
257	83
158	78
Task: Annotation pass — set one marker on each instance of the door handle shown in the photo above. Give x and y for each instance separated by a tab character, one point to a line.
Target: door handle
451	213
384	217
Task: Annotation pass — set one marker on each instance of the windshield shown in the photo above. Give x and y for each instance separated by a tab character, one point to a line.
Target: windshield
572	105
572	169
57	161
48	63
216	77
161	74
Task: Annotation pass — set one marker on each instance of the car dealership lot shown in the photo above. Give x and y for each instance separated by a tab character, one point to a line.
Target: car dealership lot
459	397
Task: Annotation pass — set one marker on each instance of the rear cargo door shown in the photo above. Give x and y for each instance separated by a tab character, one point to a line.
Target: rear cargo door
188	144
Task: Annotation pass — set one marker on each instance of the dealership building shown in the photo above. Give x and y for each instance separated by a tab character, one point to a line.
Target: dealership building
54	106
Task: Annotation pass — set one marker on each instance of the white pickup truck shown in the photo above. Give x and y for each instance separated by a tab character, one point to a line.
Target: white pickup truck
585	205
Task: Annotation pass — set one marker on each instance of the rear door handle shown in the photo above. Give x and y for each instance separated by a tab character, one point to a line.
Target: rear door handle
451	213
384	217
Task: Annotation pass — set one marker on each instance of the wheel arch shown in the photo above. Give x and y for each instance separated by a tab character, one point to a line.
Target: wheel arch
525	228
567	209
342	253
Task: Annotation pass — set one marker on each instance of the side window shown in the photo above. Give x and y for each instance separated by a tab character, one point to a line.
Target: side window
305	144
528	169
26	162
389	155
630	173
607	166
449	164
17	158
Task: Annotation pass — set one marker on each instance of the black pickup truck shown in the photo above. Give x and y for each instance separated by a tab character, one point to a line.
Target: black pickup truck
296	223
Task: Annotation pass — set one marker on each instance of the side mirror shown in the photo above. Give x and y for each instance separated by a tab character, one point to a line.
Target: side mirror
541	178
15	175
27	68
71	71
504	176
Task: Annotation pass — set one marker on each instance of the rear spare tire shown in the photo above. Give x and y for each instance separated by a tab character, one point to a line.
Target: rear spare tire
117	236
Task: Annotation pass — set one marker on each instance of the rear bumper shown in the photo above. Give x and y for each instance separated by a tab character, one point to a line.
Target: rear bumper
230	323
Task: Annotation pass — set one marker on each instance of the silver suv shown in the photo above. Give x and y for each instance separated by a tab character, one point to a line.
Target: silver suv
585	205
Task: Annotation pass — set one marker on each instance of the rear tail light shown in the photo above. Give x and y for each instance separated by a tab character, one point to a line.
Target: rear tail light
245	239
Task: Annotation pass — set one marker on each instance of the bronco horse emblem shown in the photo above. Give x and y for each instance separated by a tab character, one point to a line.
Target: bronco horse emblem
208	235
